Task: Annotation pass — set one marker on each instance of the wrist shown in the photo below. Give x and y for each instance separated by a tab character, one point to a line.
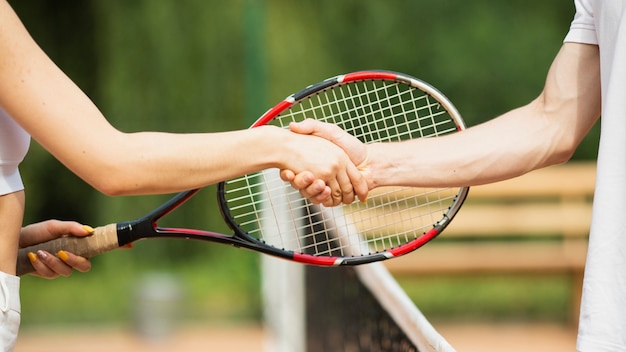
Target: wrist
273	142
380	169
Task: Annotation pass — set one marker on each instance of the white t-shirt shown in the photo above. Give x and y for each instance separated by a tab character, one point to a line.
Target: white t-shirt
14	142
10	310
603	310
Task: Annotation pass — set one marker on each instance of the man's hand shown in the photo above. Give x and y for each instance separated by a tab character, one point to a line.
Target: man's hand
46	264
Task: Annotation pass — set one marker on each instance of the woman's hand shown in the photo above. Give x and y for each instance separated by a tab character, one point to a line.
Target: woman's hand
49	265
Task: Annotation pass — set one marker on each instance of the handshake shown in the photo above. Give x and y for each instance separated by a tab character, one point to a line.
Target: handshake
347	160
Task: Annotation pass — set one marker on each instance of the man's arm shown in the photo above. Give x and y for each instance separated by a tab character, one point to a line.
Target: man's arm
542	133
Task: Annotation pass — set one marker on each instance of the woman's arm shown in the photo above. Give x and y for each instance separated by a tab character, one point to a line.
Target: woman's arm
57	114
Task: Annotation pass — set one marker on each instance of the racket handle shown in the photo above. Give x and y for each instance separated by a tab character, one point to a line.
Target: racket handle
104	239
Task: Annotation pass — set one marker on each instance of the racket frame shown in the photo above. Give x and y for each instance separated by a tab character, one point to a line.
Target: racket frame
311	90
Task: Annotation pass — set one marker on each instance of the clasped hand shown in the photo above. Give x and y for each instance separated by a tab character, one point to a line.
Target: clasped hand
315	189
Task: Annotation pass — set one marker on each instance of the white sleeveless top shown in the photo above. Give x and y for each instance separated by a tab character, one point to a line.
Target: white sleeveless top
14	143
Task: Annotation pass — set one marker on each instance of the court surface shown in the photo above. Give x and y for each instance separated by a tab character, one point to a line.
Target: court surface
464	337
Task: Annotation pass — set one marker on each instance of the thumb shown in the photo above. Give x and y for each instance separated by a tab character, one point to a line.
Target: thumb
51	229
308	126
57	228
333	133
317	128
328	131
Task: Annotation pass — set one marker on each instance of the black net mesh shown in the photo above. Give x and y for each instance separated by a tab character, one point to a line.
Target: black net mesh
342	315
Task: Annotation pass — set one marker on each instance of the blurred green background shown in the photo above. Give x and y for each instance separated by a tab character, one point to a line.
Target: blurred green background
206	66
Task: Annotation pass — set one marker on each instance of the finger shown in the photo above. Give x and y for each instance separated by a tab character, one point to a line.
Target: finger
359	183
85	230
303	127
323	196
311	126
311	188
40	268
315	189
57	228
328	202
335	194
306	180
347	191
78	263
48	266
287	175
317	193
54	264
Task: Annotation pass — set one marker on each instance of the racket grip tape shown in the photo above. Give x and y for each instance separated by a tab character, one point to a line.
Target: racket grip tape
104	239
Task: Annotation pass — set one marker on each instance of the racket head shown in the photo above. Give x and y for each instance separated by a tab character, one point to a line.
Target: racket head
374	106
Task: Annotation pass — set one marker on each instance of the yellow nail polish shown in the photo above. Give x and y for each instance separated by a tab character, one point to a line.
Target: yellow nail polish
88	228
32	257
63	255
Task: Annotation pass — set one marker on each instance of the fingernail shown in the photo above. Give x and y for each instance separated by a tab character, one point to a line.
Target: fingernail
32	257
42	255
88	228
63	255
364	200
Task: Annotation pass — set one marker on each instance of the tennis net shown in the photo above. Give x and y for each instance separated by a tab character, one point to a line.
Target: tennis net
342	309
351	309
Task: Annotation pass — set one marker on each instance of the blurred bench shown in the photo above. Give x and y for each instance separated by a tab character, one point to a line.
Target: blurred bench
534	224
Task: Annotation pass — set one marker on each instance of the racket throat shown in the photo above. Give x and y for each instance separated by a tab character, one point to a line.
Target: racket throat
130	231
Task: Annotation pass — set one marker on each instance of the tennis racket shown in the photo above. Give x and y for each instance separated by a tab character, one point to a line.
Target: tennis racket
269	216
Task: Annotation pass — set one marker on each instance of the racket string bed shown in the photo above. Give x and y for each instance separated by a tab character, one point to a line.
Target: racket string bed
384	222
